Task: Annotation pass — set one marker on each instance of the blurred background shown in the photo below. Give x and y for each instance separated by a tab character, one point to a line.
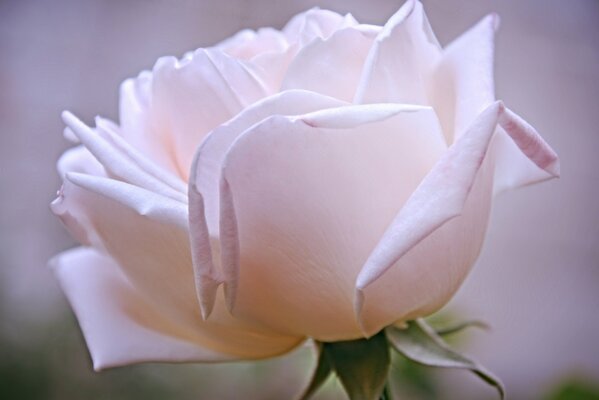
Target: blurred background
536	281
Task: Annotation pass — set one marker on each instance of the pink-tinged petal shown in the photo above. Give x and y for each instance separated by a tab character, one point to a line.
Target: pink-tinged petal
194	95
121	327
137	125
117	164
522	157
79	159
205	180
462	83
146	235
207	277
315	23
427	250
399	64
306	198
247	43
144	232
111	133
330	66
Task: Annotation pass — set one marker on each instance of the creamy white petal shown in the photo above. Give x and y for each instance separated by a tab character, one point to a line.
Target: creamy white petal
428	249
399	64
462	84
303	219
205	180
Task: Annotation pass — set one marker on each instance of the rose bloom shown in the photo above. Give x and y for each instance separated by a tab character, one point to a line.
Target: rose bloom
323	181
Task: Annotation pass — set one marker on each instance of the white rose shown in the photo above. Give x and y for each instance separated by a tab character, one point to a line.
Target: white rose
332	177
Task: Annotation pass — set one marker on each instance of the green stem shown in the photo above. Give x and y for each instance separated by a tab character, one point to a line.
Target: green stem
386	395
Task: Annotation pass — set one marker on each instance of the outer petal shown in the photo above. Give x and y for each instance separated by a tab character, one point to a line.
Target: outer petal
79	159
119	325
315	23
462	85
192	96
304	200
332	66
137	125
247	43
401	59
105	148
146	235
427	251
205	178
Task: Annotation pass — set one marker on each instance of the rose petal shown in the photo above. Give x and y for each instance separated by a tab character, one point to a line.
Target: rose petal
146	234
205	178
315	23
121	327
79	159
247	43
306	198
117	164
141	230
438	233
192	96
522	157
331	66
112	133
401	59
463	80
137	125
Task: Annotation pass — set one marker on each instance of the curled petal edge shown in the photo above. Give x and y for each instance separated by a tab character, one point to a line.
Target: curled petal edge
442	194
332	118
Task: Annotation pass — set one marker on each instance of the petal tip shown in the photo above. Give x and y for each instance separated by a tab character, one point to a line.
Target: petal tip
67	117
495	21
358	307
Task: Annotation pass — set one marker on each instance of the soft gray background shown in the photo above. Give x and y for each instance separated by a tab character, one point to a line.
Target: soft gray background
537	280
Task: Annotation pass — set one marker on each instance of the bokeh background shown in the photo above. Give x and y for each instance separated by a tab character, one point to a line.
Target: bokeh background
536	281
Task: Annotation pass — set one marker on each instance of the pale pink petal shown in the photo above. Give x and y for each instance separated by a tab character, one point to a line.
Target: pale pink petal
521	156
79	159
399	64
462	84
117	164
205	178
247	43
330	66
194	95
146	235
119	325
315	23
112	133
427	250
137	125
304	200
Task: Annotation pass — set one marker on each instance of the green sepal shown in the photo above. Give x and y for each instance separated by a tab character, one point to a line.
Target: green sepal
420	343
451	329
361	365
321	373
